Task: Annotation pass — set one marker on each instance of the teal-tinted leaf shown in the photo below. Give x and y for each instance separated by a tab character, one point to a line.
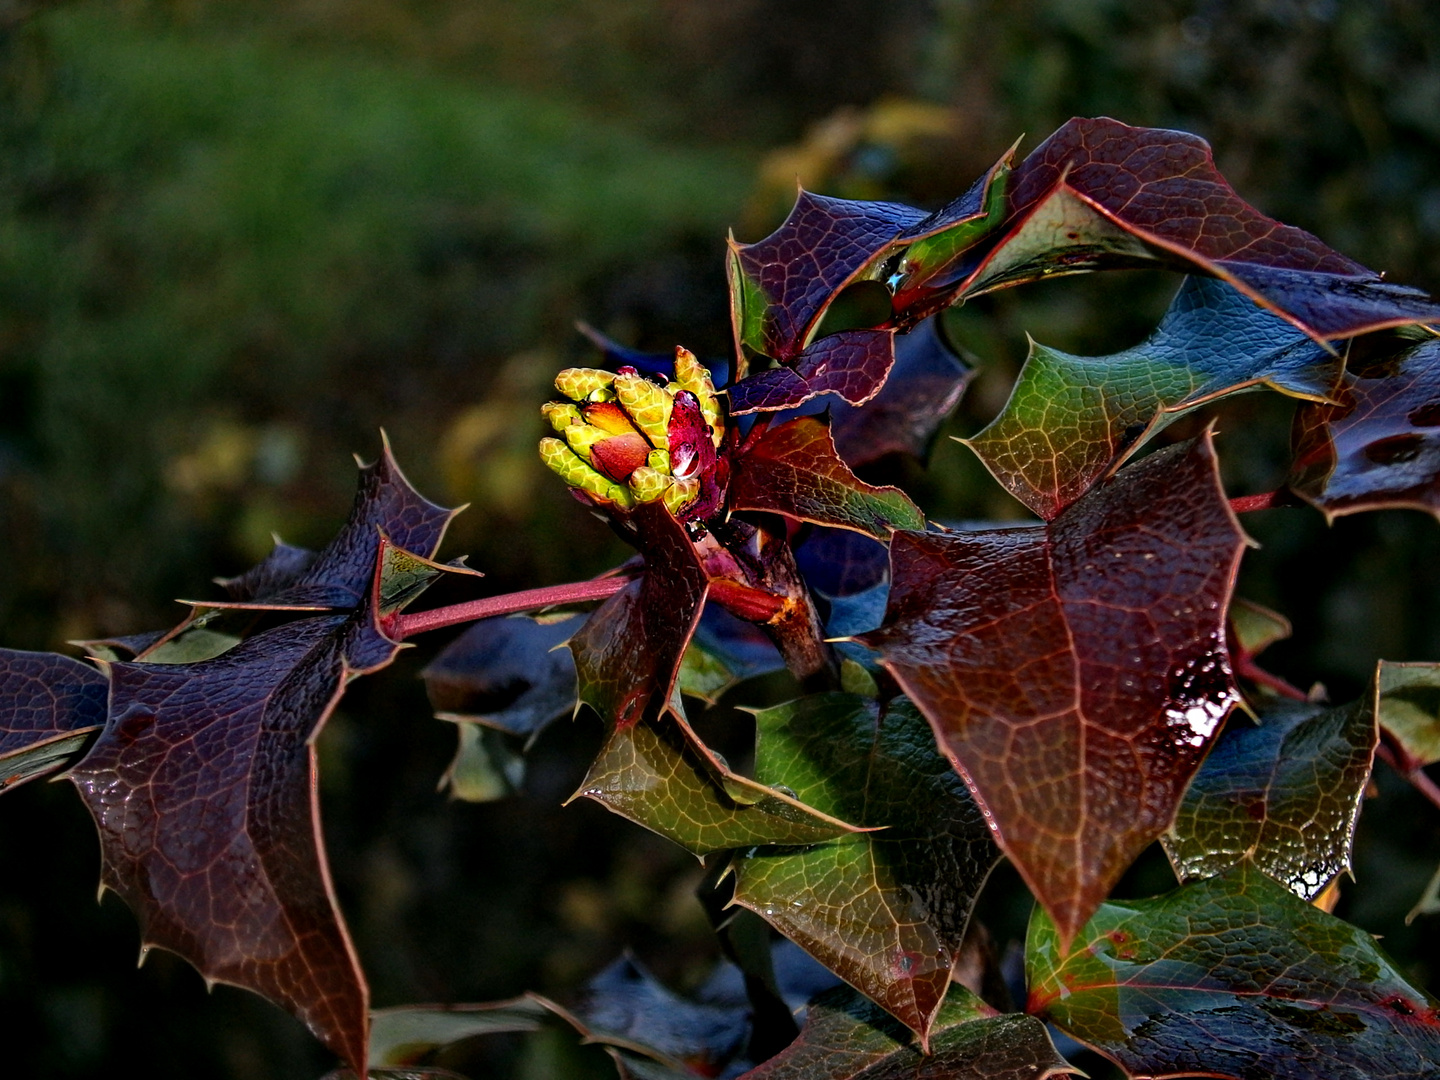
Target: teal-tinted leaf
486	767
846	1037
1071	420
49	705
886	911
405	1035
1254	628
1234	976
1285	794
1408	708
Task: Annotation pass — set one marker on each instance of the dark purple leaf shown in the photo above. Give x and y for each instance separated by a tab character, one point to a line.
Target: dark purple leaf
837	562
49	705
852	364
1076	671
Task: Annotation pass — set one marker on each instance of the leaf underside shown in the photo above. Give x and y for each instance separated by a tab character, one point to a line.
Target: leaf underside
1075	671
1233	976
49	705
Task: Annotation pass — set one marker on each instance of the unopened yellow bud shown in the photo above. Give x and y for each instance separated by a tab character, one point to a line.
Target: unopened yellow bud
583	436
648	405
560	415
659	459
681	493
648	484
580	383
694	376
560	459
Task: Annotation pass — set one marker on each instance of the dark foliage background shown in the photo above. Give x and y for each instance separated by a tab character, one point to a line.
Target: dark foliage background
237	238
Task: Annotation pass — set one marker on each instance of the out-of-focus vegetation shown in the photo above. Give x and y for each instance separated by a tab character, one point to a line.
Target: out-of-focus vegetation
237	238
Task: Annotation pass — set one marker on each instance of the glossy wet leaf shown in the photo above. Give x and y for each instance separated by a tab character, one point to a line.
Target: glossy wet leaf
781	285
203	789
1071	420
846	1037
1099	194
1076	670
659	775
793	469
1379	445
1408	708
1284	794
1233	976
851	365
49	705
886	911
921	390
628	653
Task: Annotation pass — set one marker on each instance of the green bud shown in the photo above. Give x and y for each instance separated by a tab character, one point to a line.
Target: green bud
648	484
580	384
560	415
648	405
560	459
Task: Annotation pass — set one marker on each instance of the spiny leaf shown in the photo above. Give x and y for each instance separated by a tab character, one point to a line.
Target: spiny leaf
1075	671
1099	194
793	469
846	1037
782	285
851	364
921	390
886	911
1408	708
1237	977
658	774
628	653
1285	794
49	705
1379	444
724	652
203	790
1070	419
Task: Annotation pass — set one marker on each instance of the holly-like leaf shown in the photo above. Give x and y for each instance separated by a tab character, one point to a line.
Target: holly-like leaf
1408	708
886	911
1099	194
1285	794
921	390
1379	444
407	1034
793	469
851	364
838	562
1071	420
1075	671
1254	628
49	706
1234	976
203	789
781	286
628	653
846	1037
724	652
339	576
658	774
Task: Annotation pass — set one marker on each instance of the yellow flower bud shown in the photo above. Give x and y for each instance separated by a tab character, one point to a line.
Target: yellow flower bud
648	405
580	383
560	459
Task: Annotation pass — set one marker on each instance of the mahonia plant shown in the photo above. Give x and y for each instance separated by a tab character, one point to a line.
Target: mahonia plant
1060	694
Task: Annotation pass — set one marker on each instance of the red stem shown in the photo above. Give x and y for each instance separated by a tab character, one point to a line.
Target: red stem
1246	667
1418	778
400	626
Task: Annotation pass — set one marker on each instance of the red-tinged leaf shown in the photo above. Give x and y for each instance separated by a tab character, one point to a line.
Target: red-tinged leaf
1233	977
1071	420
203	790
628	653
1284	794
1099	194
1075	671
886	911
1379	445
339	576
846	1037
781	286
49	705
658	774
852	364
921	390
793	469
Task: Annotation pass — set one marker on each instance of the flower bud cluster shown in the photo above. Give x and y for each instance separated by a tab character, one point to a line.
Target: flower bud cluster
626	439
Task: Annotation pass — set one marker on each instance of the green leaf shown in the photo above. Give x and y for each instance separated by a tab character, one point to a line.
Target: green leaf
793	469
1408	708
404	1035
1254	628
886	911
1234	976
1285	794
1072	420
846	1037
659	775
1075	671
485	767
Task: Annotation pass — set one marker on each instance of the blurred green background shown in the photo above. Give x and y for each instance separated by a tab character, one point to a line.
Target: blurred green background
236	239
